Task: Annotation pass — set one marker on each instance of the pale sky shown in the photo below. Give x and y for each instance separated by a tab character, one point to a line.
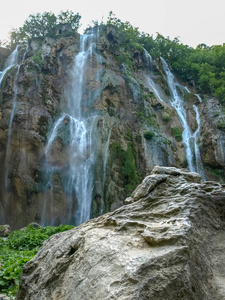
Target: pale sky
192	21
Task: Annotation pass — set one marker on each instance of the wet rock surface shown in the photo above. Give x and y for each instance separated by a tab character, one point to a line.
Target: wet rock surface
168	243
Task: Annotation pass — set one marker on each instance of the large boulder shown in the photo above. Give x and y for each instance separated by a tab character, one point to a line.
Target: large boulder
167	243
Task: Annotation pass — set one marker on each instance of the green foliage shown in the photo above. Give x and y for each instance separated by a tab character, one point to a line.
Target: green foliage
41	25
37	58
177	133
126	159
19	248
117	151
204	66
148	135
127	33
145	116
218	173
166	119
124	40
221	125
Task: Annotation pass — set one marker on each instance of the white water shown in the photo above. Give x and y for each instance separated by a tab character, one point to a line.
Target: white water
199	166
151	82
199	98
12	61
78	177
189	138
106	156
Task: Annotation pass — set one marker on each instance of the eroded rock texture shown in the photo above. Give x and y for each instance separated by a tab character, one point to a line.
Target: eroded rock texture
167	243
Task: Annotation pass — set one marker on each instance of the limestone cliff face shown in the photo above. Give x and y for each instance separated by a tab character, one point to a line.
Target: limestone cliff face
134	130
39	83
167	243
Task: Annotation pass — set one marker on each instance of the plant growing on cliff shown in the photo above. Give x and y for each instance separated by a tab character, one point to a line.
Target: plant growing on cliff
19	248
177	133
126	160
148	135
41	25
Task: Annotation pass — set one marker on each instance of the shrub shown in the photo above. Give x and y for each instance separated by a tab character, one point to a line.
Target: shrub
177	133
19	248
166	119
148	135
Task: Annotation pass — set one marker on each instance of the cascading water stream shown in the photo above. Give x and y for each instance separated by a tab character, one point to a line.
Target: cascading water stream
198	161
149	78
77	178
189	139
12	61
199	166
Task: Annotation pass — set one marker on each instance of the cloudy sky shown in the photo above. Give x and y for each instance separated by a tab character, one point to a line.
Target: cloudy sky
193	21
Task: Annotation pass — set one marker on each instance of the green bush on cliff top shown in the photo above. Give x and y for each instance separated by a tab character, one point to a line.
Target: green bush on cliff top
18	249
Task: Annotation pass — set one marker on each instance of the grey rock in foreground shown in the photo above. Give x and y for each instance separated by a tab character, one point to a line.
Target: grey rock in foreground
4	230
167	243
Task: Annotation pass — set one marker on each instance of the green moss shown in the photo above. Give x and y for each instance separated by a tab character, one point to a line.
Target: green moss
126	159
117	151
177	134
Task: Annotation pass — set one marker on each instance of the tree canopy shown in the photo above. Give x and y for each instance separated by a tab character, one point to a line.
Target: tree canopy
41	25
203	67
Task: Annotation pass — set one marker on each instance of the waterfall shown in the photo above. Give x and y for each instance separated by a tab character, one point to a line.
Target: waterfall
189	138
150	81
106	156
12	61
75	127
199	166
199	98
198	160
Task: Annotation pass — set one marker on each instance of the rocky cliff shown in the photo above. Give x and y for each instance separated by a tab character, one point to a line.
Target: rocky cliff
134	127
167	243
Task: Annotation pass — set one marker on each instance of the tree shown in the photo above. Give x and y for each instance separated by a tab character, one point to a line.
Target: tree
41	25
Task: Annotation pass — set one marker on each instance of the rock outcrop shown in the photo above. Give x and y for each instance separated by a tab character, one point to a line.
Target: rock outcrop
167	243
4	230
